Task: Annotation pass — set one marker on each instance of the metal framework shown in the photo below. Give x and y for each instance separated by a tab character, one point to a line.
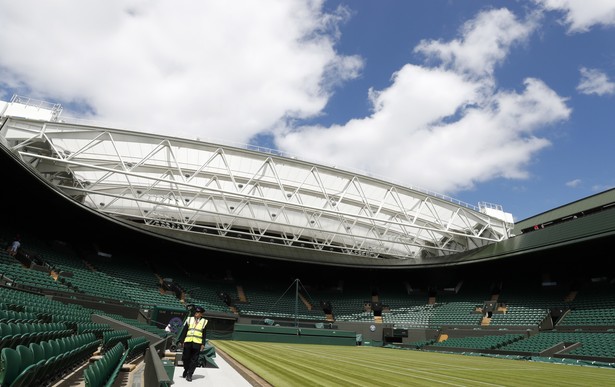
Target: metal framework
246	201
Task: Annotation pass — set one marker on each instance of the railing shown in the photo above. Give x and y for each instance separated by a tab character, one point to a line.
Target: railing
55	108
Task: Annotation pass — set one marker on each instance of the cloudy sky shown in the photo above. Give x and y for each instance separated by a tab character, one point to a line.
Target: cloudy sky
510	103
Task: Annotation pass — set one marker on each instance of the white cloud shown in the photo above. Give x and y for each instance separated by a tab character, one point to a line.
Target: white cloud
208	69
231	70
573	183
444	128
484	43
594	81
581	15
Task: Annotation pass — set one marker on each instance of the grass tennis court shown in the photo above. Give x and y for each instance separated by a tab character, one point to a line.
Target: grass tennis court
285	365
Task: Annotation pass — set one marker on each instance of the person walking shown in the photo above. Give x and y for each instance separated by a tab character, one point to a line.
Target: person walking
193	338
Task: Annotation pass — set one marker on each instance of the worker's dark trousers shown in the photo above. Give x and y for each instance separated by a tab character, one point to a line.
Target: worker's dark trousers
190	357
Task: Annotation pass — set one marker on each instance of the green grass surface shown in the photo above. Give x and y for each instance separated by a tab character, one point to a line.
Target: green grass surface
323	365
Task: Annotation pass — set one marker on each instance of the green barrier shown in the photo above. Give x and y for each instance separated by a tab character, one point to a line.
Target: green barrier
246	332
169	366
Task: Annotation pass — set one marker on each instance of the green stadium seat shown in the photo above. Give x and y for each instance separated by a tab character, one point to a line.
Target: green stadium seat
91	377
10	366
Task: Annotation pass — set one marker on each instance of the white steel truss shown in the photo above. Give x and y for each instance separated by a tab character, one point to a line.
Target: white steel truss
242	200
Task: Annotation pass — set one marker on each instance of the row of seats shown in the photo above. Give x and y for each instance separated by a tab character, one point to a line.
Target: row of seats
262	301
40	364
104	371
54	339
14	334
111	338
587	344
136	347
592	344
97	328
6	314
483	342
22	361
73	316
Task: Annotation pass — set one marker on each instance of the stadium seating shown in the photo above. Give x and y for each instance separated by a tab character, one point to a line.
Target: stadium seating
39	333
37	364
111	337
104	371
136	346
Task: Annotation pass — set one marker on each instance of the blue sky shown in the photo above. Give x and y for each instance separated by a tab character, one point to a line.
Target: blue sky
507	102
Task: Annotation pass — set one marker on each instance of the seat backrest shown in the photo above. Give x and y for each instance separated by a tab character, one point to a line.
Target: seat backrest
63	344
38	352
56	347
27	376
90	377
25	338
23	327
48	348
14	328
10	366
27	357
5	330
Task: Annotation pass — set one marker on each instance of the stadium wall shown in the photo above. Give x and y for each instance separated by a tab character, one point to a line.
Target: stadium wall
294	335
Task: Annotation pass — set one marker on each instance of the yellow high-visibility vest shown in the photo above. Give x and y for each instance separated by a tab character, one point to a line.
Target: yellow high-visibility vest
195	331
